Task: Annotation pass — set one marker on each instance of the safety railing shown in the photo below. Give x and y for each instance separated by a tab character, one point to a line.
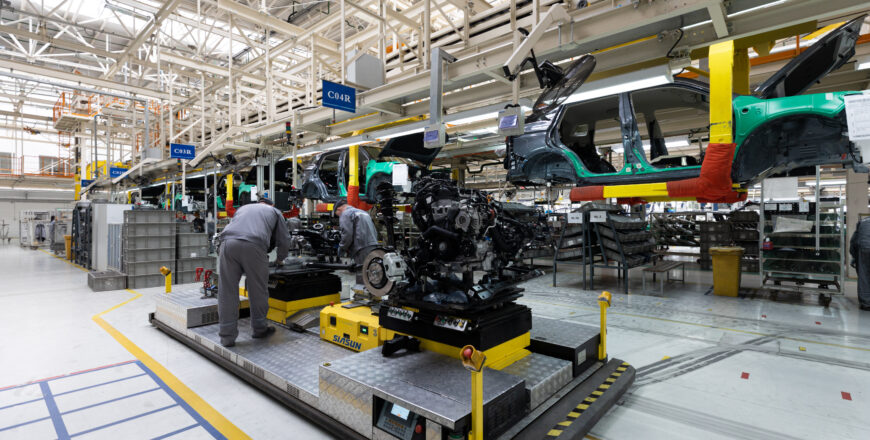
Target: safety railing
75	104
39	166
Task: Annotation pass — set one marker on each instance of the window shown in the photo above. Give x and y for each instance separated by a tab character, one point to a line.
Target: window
6	163
591	129
668	118
48	165
328	171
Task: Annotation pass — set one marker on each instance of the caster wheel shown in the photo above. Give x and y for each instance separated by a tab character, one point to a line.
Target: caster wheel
825	300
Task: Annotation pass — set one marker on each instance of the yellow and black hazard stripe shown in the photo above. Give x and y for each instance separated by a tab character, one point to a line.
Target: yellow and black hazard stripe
577	411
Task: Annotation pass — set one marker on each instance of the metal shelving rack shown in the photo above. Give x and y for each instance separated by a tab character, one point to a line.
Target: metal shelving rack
805	262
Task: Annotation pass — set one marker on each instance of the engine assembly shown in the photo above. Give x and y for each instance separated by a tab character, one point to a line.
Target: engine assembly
462	232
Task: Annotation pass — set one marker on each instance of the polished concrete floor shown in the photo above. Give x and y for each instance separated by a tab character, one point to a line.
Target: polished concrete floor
708	366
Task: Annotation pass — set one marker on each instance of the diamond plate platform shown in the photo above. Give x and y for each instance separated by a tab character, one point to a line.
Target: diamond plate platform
427	383
566	340
543	375
287	359
185	308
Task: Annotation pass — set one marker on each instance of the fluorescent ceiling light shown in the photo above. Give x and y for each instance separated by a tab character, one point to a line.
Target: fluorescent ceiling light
401	133
639	79
757	8
862	63
477	118
19	188
827	182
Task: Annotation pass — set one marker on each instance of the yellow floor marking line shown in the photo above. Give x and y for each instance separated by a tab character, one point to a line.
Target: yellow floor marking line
199	405
748	332
224	426
64	260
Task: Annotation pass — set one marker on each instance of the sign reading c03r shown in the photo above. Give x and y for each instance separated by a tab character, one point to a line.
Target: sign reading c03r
182	151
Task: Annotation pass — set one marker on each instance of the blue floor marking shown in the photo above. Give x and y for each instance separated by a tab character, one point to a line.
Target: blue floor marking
110	401
99	384
24	423
20	403
56	419
205	424
118	422
177	431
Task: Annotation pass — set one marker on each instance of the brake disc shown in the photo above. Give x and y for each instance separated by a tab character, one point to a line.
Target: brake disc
375	274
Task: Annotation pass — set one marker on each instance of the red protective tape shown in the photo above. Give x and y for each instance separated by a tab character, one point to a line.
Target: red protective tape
714	183
587	193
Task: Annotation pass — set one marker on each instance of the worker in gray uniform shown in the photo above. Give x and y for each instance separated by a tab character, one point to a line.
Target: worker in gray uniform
358	234
255	230
859	248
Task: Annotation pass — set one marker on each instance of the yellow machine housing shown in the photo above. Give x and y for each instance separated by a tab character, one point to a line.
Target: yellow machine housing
497	357
281	311
355	328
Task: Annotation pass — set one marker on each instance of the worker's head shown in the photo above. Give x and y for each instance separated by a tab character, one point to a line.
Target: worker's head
52	218
196	214
339	207
266	201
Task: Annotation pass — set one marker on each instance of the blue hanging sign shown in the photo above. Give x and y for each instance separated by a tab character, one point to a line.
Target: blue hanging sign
182	151
116	172
86	183
339	96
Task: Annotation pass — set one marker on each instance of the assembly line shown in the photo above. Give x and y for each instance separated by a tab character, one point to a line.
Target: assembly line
440	220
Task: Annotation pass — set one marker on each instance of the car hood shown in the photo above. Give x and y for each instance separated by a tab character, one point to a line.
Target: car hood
410	146
820	59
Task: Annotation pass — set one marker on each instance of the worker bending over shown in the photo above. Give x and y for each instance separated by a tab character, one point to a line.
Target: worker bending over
358	234
255	230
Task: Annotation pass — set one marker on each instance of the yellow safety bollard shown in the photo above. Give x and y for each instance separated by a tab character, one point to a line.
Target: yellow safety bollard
603	304
473	360
167	272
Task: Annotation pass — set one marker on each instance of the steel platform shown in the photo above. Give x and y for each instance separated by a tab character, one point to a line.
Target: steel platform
339	389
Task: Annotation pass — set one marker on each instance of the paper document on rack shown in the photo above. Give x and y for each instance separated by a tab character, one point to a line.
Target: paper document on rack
858	116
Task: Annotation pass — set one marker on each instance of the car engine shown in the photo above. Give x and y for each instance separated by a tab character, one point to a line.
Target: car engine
463	232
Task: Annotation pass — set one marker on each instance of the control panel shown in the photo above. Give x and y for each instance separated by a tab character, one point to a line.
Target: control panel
401	422
400	313
451	322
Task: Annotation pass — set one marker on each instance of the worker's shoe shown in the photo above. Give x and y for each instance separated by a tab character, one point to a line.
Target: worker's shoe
865	307
265	333
227	342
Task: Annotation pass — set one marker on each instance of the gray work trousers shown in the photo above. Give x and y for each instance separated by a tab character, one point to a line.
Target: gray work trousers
863	269
358	258
239	257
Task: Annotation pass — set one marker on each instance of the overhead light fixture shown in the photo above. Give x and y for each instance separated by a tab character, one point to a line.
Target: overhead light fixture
399	134
756	8
862	63
626	82
471	119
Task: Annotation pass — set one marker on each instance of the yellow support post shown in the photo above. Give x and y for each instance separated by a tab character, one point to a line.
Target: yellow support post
476	405
603	304
473	360
721	83
167	273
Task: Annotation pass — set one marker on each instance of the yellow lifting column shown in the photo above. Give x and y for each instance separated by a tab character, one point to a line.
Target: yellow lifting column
722	72
353	173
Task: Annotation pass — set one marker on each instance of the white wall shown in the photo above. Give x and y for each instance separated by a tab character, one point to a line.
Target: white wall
12	202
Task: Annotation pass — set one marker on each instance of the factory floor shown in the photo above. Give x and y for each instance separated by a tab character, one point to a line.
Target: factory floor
82	364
